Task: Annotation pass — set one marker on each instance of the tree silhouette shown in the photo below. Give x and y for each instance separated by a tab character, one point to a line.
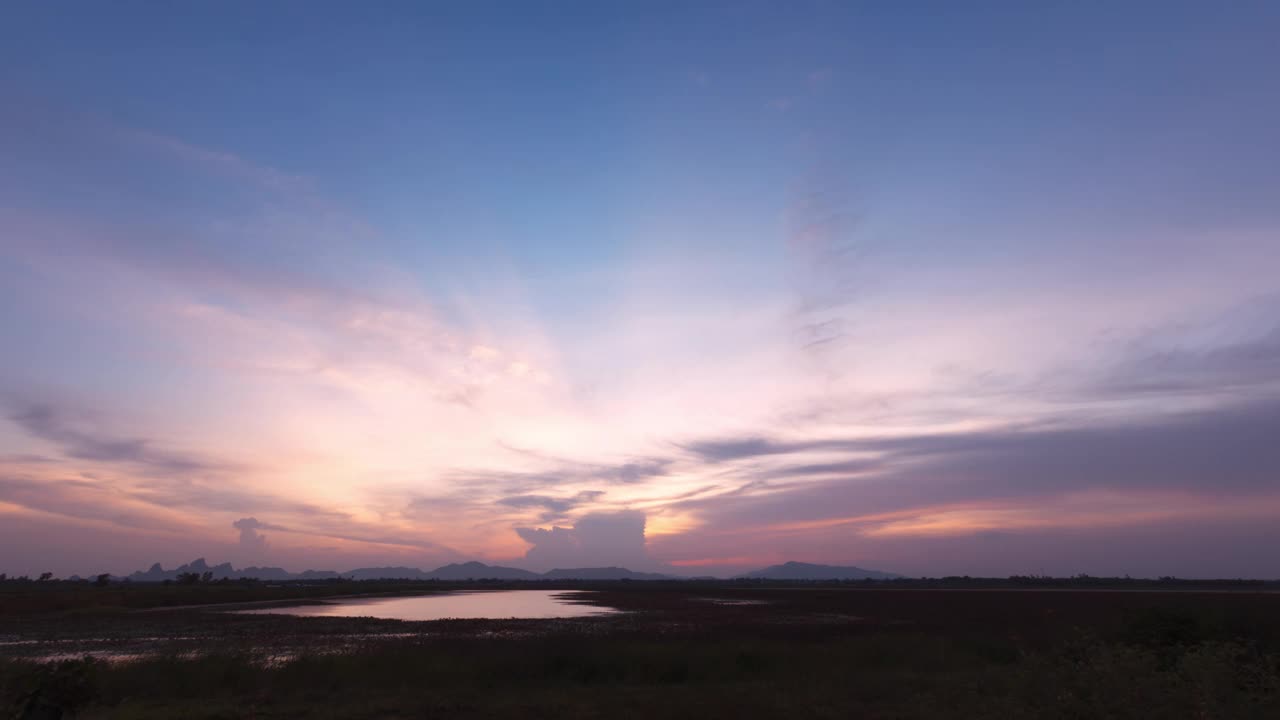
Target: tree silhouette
46	576
102	580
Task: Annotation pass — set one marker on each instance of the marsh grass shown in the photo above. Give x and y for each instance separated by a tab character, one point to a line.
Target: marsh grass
911	675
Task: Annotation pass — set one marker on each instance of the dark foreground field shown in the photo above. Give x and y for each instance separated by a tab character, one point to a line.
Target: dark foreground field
679	650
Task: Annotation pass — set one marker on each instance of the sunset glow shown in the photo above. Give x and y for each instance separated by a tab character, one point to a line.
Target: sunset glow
676	306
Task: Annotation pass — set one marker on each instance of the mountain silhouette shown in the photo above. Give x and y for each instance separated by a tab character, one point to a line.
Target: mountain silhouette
807	571
604	573
385	573
479	571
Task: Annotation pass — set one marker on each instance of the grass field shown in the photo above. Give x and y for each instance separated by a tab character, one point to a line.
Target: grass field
777	651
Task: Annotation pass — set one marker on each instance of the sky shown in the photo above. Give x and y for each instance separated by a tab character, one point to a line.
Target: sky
940	288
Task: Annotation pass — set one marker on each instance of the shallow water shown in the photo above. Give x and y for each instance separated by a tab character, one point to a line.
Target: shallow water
491	605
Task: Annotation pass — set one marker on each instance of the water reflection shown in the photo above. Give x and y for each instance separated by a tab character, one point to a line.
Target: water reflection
493	605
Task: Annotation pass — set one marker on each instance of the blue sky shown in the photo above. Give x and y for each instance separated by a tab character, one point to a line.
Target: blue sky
410	283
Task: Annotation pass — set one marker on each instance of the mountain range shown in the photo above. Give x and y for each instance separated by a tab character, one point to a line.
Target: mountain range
480	571
454	571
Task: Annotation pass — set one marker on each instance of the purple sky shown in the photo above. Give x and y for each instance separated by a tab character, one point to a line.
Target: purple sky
983	290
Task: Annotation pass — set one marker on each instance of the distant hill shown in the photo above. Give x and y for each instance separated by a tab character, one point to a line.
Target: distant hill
265	573
479	571
316	575
605	573
808	571
385	573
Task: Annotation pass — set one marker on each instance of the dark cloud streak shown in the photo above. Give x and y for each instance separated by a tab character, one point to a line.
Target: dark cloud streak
565	472
1230	450
42	420
555	507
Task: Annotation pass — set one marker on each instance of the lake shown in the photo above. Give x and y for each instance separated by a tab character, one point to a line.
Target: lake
491	605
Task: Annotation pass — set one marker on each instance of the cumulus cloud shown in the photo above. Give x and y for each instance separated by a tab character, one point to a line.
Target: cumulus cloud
250	539
595	540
